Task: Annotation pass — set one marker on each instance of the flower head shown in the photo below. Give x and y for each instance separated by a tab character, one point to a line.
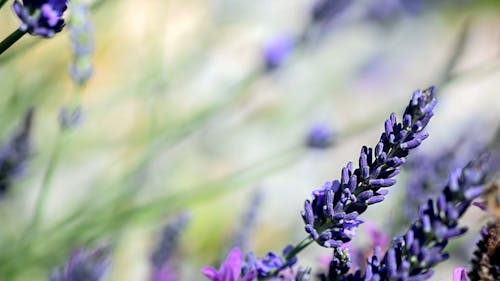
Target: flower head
230	270
331	217
41	17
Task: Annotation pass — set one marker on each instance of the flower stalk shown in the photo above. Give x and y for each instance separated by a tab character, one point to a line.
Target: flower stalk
11	40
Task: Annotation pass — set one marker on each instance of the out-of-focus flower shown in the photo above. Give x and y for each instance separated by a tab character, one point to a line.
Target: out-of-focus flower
323	11
320	136
230	270
243	235
277	51
70	118
331	217
84	265
486	260
82	39
412	255
41	17
378	239
459	274
15	153
383	11
429	173
163	267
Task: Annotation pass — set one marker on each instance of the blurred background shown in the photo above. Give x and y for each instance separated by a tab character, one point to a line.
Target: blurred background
205	108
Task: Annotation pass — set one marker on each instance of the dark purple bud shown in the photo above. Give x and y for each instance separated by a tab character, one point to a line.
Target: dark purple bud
395	161
375	199
474	192
363	196
308	213
381	182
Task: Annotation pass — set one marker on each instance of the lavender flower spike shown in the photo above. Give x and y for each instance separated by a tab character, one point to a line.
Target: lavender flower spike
82	38
41	17
412	255
162	259
331	217
15	154
84	265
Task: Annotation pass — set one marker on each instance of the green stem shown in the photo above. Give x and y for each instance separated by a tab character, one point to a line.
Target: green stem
11	39
297	249
44	191
2	2
292	254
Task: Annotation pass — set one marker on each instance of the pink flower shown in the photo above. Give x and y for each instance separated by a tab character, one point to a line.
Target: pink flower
230	270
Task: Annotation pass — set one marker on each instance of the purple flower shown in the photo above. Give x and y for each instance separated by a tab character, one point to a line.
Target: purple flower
161	259
412	255
384	10
230	270
459	274
165	273
320	136
277	52
14	155
429	173
84	265
331	217
378	238
272	263
41	17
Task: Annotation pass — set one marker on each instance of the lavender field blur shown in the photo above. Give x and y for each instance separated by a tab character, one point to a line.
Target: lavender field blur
147	140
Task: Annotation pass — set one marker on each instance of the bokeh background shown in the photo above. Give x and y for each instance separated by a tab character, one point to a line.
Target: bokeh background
182	115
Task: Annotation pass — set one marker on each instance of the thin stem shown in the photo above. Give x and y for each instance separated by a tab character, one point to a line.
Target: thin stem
2	2
11	39
44	191
297	249
292	254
